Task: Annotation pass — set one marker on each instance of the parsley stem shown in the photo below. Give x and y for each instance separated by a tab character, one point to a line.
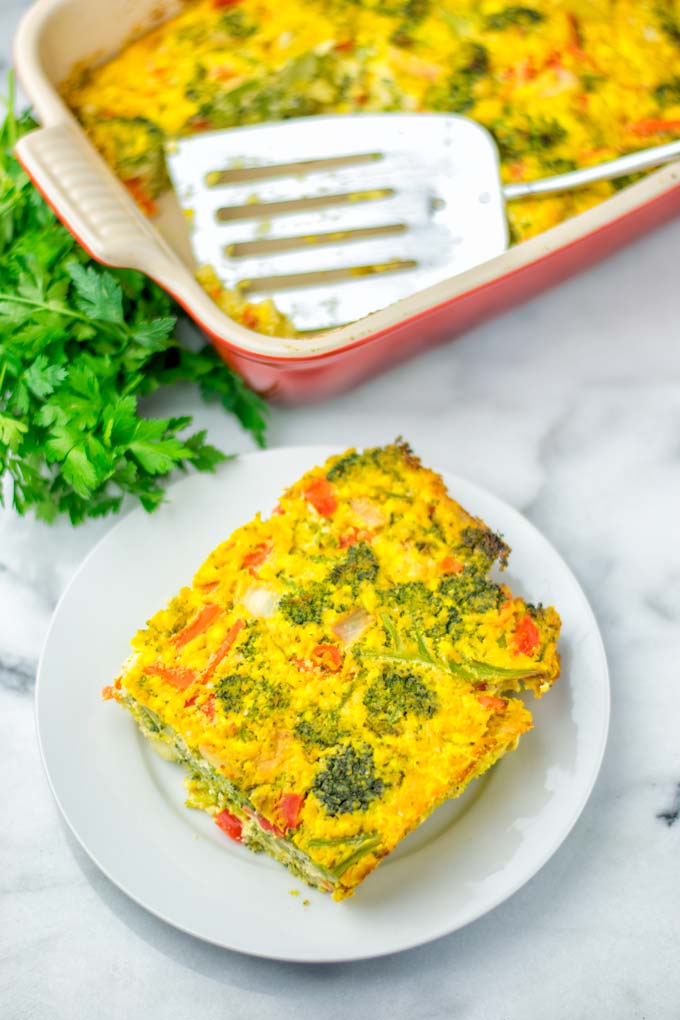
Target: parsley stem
68	313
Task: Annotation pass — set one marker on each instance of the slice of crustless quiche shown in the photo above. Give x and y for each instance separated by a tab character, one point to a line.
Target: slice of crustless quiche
339	669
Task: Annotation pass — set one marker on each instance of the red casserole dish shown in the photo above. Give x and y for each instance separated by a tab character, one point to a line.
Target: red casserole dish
55	35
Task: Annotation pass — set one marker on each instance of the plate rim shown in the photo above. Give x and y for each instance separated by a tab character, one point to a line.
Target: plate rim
561	832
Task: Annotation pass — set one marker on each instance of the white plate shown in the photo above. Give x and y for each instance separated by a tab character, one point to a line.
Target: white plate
126	806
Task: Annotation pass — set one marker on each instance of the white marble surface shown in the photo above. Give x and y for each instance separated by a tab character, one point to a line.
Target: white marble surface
568	407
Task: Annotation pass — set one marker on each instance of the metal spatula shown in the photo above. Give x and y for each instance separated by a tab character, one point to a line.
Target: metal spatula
335	217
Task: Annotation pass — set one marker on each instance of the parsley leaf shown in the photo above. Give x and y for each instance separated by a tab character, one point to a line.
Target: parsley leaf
80	346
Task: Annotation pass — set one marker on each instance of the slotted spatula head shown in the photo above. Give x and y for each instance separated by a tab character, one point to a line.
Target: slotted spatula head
335	217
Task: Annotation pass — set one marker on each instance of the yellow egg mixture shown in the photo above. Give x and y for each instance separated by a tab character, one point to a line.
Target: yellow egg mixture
340	668
559	83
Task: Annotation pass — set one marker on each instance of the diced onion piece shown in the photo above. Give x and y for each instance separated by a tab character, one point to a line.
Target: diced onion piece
350	628
212	757
367	511
260	601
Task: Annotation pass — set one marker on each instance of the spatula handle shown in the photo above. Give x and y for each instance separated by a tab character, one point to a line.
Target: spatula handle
635	161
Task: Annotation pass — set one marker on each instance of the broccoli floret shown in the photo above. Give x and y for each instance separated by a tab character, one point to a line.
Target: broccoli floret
347	781
389	459
669	22
322	733
558	165
236	24
456	97
420	603
232	691
411	593
537	135
440	612
237	692
590	81
476	61
668	93
344	466
513	16
491	546
358	566
471	592
273	96
414	12
247	648
413	596
305	606
393	696
457	94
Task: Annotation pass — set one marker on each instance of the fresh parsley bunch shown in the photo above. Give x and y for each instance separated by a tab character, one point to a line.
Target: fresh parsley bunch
79	346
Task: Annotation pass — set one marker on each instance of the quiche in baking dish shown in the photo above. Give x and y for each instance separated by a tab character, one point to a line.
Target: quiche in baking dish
339	669
560	84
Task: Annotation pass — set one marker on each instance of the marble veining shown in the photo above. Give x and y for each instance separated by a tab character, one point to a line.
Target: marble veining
671	814
568	407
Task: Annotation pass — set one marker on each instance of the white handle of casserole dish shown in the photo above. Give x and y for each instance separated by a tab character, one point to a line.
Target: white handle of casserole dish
91	201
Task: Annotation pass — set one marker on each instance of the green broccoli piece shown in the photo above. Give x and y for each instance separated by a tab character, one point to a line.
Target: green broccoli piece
237	692
358	566
558	165
345	466
347	781
668	93
324	732
419	602
411	594
274	96
232	691
395	695
457	94
236	24
388	459
487	543
476	63
304	606
668	21
438	613
471	592
590	81
538	134
414	12
247	648
515	16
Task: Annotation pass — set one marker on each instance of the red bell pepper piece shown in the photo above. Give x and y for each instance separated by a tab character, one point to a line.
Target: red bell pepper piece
319	492
289	808
257	556
220	653
230	824
527	637
328	657
450	565
175	675
654	126
495	704
200	622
